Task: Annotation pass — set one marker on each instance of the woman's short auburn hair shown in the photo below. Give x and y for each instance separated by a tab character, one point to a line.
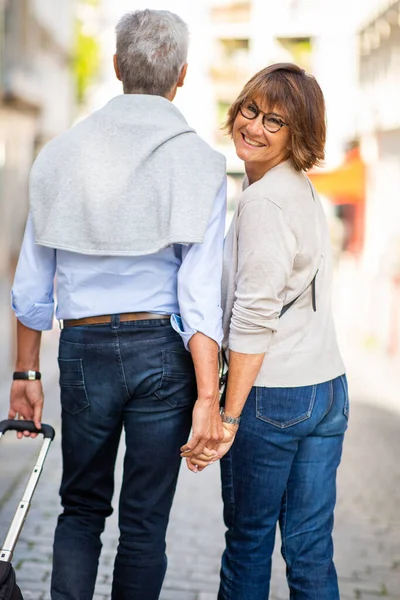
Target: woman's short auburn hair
297	95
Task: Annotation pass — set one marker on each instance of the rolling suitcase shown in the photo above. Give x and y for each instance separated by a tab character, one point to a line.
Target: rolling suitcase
9	589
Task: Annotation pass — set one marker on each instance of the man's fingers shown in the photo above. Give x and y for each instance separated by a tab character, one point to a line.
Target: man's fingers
199	463
199	447
37	416
208	454
191	467
186	448
195	445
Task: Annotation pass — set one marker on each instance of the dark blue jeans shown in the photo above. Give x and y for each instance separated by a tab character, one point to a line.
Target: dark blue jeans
282	468
135	376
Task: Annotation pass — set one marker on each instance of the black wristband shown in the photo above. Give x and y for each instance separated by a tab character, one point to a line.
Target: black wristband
27	375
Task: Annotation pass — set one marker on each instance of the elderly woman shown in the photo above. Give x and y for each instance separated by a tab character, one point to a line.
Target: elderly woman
286	403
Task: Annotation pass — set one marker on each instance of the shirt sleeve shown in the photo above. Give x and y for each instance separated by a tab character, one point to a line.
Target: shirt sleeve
267	249
199	280
32	294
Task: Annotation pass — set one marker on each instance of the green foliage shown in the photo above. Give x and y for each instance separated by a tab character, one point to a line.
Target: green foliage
86	59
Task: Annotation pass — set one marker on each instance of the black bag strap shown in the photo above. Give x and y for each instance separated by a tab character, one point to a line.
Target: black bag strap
313	297
312	282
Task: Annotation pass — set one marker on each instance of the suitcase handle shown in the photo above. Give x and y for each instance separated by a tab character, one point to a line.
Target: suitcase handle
23	425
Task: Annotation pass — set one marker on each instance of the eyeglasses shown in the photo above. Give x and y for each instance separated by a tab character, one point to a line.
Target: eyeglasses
271	122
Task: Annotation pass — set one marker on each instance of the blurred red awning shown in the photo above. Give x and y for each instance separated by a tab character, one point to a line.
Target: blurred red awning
344	185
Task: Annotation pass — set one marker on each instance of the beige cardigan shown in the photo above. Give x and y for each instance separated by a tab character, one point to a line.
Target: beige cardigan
277	240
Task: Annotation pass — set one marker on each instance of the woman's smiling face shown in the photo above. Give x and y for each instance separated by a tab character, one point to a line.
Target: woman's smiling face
255	145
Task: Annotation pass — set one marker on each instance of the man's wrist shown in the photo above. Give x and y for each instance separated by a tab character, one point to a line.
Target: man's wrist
208	398
31	364
28	375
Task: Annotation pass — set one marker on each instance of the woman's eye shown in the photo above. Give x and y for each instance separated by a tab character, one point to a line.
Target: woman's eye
274	121
251	108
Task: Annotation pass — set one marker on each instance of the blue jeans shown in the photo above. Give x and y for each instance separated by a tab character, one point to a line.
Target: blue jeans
282	468
135	376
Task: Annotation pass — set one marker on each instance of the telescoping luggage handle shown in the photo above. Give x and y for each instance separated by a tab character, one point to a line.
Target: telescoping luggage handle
22	425
6	552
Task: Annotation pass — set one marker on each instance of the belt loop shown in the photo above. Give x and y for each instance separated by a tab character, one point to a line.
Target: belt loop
115	321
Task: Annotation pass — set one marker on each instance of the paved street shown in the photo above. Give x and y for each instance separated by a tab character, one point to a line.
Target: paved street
367	519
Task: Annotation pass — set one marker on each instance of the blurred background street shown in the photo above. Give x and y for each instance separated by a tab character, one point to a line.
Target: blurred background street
55	68
367	532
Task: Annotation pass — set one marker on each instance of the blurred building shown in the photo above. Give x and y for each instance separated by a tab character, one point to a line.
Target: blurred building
379	134
36	101
248	35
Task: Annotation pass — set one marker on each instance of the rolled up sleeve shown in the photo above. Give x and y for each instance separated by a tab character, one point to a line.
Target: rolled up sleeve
199	280
267	249
32	294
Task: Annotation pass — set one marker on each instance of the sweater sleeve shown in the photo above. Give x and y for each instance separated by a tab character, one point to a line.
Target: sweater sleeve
267	248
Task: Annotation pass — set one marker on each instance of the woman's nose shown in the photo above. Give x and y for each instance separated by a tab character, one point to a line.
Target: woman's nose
255	126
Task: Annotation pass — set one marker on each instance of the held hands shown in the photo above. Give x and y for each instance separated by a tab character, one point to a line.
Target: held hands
198	461
26	401
206	429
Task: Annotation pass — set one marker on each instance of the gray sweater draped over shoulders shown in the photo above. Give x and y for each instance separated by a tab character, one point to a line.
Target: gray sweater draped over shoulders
130	179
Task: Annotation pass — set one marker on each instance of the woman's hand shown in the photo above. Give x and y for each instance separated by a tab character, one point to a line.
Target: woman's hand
198	462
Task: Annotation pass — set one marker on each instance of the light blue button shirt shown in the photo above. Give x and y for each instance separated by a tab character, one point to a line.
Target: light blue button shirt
182	281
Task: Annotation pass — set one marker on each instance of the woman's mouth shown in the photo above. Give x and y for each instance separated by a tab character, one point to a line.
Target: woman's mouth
251	142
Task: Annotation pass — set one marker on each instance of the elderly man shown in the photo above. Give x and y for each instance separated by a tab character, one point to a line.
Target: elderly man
127	211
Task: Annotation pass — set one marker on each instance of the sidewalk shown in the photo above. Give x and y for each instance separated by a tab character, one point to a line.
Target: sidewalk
367	533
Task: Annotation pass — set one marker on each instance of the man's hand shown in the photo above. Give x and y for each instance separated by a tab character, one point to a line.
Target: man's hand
207	430
26	397
26	401
198	462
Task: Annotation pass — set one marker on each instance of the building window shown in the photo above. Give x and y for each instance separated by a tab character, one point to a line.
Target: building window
234	52
300	50
233	12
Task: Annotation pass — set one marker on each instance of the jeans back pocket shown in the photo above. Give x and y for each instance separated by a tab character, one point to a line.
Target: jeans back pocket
178	380
284	407
74	397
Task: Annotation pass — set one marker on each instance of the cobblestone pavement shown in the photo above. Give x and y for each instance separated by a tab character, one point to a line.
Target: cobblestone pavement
367	533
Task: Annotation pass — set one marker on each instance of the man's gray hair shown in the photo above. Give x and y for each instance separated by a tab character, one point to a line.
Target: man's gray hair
152	47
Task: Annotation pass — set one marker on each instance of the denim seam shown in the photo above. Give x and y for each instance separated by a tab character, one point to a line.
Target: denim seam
120	363
162	378
80	384
232	494
331	395
74	387
346	407
292	422
284	525
232	502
